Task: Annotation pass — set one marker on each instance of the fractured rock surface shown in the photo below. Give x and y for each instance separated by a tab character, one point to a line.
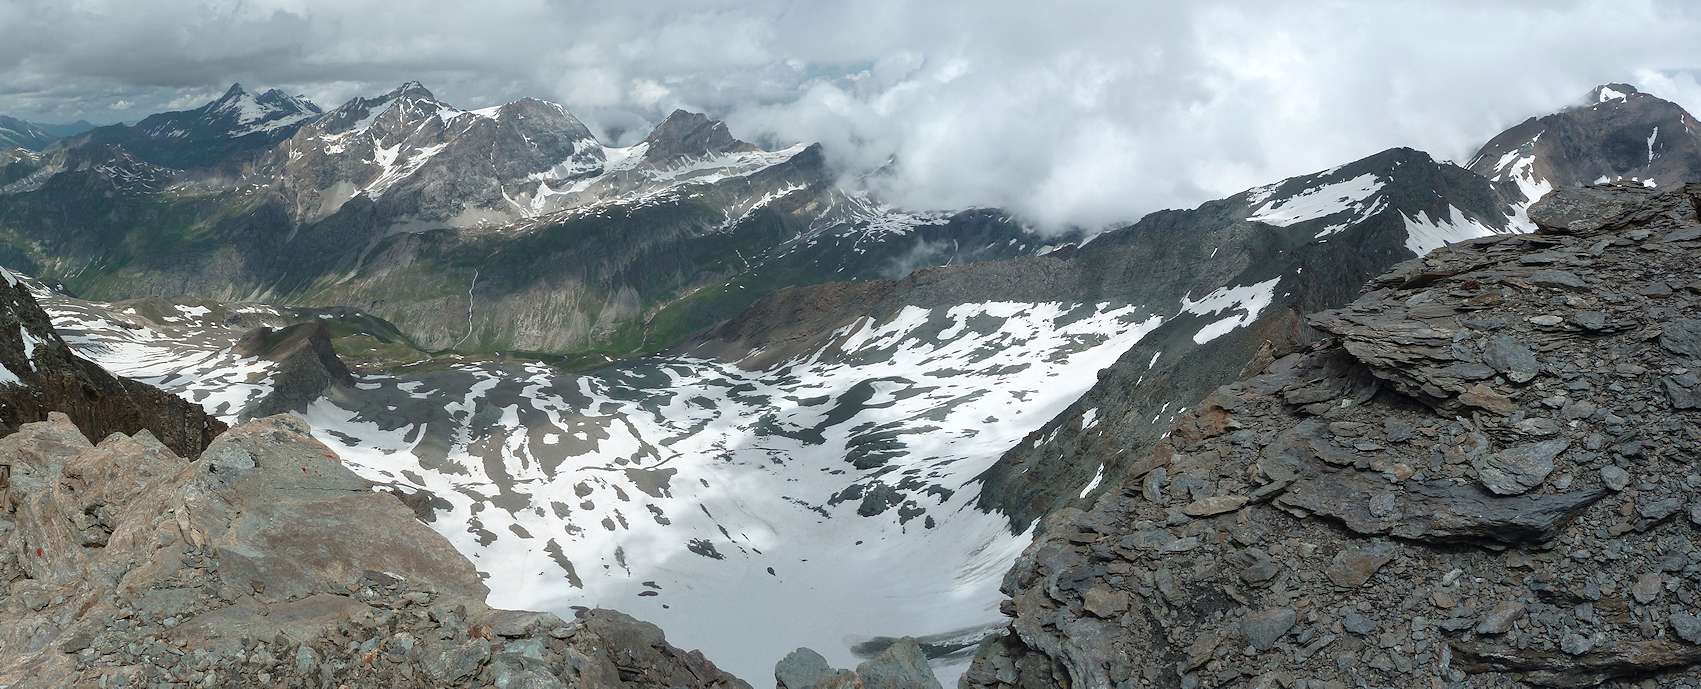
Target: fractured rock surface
1476	480
265	563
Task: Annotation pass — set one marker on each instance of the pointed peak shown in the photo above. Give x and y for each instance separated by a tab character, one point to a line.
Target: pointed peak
412	89
681	124
681	116
690	134
235	91
1615	91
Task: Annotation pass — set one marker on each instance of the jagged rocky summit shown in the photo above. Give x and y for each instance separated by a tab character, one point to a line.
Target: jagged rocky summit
1483	476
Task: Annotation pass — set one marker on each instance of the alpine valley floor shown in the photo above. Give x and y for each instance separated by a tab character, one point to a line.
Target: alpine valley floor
688	491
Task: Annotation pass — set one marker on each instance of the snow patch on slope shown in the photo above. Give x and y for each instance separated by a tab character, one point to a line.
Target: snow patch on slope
1519	167
1425	234
1320	202
196	360
1249	300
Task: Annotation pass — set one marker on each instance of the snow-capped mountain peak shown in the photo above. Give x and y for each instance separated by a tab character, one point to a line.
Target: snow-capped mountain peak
521	160
1607	93
225	132
1618	133
242	112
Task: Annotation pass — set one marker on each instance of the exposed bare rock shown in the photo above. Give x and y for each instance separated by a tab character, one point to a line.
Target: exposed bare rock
39	374
902	665
1473	481
266	562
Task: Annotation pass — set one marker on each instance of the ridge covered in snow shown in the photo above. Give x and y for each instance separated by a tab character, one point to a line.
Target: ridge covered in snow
507	163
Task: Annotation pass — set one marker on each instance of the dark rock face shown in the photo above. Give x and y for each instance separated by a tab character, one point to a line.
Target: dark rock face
1616	133
684	135
42	375
1186	254
266	563
1474	479
309	366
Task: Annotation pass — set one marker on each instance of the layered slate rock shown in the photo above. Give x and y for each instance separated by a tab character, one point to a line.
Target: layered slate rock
268	563
1480	477
39	374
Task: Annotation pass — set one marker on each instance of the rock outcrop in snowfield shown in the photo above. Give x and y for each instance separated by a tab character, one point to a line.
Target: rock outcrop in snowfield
902	665
1483	477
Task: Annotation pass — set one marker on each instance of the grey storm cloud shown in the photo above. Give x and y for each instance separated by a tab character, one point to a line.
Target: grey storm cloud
1069	113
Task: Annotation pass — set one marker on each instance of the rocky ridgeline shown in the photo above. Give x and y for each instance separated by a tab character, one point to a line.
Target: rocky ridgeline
265	563
1485	476
39	374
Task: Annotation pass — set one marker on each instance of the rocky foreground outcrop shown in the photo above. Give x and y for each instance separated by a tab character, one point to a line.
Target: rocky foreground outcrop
1485	476
265	563
39	374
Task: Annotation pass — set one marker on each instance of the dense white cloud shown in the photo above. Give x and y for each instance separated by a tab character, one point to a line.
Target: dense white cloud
1068	112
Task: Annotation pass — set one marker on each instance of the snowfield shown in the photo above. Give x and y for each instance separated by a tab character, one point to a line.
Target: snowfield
825	501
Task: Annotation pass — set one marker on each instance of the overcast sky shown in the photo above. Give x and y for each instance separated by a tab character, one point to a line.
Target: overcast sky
1068	112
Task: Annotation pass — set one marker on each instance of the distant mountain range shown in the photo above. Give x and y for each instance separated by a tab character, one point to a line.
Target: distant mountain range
220	133
403	205
34	136
393	203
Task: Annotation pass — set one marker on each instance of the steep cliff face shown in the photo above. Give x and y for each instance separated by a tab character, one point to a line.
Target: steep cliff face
266	563
1482	476
39	374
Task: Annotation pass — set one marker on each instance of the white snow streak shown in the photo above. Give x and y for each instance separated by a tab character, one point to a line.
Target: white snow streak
1319	202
